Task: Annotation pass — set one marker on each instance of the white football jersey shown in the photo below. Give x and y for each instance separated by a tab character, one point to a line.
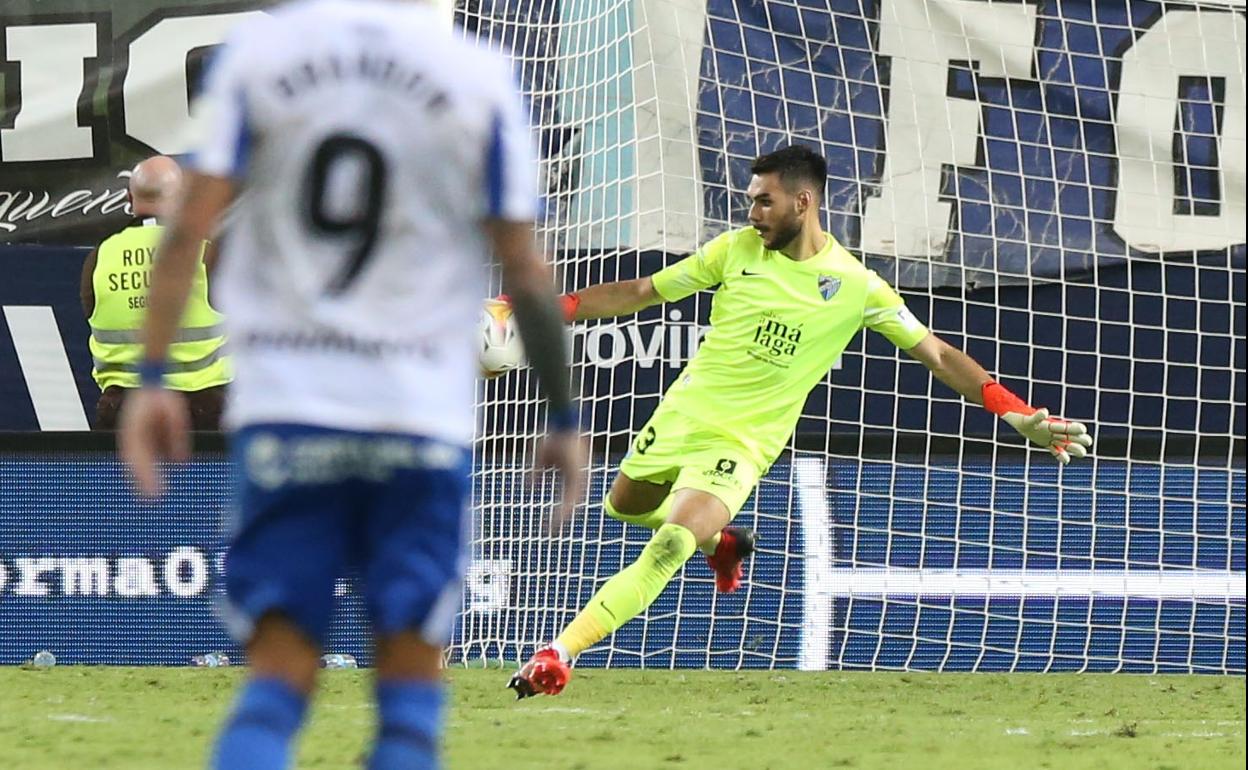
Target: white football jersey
369	143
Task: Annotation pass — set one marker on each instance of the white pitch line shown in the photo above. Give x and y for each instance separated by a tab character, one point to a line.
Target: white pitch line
78	718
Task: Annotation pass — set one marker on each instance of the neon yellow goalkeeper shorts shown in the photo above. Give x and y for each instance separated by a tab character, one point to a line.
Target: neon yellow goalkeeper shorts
672	448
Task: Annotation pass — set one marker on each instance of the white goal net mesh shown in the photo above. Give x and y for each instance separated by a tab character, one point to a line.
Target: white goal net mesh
1057	188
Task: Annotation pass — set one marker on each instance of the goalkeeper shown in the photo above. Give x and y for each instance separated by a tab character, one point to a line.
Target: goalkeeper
789	300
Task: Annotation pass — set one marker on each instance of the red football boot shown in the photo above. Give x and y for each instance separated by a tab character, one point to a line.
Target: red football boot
544	673
735	545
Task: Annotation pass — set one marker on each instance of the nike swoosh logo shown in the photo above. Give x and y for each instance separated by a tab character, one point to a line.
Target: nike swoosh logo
747	273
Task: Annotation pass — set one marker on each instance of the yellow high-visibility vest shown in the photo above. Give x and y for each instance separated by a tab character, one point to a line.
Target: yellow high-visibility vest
197	358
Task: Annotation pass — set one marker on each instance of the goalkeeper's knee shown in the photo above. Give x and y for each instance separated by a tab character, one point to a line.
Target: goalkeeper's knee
671	547
652	520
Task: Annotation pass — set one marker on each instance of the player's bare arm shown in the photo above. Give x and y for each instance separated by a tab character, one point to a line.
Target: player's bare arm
615	298
155	423
1064	439
606	300
205	199
528	282
952	367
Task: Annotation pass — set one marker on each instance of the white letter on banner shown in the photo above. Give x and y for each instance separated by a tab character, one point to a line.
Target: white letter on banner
198	579
157	111
646	353
1181	43
52	78
31	570
926	129
84	577
135	577
593	345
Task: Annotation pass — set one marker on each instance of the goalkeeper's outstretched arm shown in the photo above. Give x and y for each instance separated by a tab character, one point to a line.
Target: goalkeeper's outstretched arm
1064	439
952	367
608	300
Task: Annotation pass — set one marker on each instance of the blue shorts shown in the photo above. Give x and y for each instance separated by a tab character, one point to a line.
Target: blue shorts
314	504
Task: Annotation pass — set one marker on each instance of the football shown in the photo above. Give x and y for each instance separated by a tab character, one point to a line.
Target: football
501	349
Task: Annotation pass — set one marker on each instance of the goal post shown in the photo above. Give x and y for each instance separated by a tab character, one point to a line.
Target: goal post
1057	188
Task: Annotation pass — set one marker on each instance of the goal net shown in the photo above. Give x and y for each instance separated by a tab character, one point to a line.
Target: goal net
1057	188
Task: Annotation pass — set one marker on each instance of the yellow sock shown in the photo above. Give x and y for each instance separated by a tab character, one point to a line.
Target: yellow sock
624	596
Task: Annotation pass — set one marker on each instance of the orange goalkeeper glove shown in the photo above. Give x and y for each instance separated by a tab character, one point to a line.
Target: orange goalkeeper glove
1064	439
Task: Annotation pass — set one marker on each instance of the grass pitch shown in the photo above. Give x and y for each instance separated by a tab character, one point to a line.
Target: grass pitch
78	717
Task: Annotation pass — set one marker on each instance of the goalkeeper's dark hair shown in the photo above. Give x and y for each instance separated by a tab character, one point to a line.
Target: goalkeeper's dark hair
796	164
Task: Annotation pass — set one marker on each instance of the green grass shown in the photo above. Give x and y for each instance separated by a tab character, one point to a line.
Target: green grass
78	717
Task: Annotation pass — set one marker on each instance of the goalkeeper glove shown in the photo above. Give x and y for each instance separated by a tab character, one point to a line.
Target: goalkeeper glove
1064	439
568	303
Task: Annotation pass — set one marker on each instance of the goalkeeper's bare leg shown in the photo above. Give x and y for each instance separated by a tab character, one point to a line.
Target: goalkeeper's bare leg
695	517
649	504
645	504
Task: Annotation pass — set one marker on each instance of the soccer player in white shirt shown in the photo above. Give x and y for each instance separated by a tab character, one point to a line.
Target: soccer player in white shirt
377	160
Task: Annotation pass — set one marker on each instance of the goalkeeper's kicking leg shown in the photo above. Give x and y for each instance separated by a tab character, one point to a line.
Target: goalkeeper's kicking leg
695	517
649	505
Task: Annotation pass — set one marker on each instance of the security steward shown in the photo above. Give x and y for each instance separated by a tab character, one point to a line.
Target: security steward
113	290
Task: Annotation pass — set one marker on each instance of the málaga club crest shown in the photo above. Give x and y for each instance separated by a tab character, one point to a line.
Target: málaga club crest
828	286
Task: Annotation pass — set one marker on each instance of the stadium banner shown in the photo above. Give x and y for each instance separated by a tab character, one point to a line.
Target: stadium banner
981	143
969	142
95	575
45	366
89	88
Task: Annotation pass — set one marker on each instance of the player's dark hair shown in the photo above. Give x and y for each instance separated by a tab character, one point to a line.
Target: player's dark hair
795	164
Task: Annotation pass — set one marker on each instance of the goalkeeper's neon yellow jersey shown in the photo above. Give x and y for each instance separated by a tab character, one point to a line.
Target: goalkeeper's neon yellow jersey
777	326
